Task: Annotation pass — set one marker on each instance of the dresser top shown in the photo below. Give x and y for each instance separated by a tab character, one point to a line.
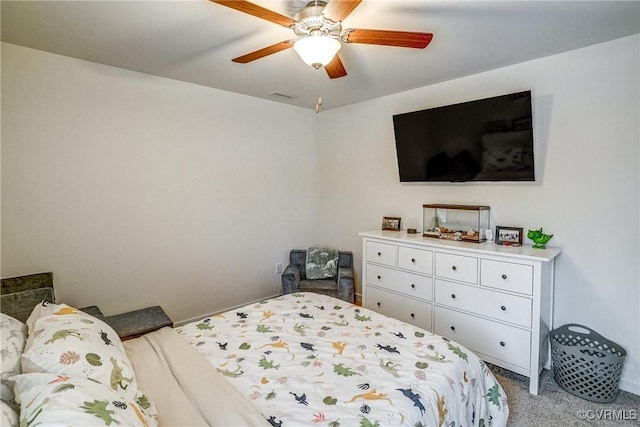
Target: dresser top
487	248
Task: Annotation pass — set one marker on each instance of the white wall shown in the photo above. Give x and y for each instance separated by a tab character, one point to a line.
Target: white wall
586	115
136	190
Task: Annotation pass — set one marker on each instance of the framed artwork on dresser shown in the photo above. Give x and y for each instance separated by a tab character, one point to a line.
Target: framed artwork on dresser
509	236
390	223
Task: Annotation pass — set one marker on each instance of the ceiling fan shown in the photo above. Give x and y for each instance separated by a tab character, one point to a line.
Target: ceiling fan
319	32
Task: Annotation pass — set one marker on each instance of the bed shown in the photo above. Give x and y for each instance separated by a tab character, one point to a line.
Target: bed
295	360
309	359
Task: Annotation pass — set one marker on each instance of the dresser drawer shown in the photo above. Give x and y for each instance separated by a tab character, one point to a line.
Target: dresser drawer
408	310
412	285
417	260
506	343
507	276
507	308
381	253
457	267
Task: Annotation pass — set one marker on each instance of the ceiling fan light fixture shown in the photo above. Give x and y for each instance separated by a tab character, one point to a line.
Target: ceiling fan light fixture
317	49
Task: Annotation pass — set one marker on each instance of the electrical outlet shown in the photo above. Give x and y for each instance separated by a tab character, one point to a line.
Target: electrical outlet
278	268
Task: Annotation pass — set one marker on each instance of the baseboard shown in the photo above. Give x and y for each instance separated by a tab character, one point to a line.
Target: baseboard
204	316
630	385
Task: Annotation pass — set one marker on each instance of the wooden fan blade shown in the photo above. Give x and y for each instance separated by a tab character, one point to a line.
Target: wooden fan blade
389	38
335	68
337	10
259	11
261	53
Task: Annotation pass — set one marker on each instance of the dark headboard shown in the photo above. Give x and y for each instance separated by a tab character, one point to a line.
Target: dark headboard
19	295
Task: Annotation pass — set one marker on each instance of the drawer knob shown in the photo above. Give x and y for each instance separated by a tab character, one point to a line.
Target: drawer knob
379	253
502	344
413	286
413	315
453	296
454	268
504	277
503	308
379	304
453	328
379	277
413	260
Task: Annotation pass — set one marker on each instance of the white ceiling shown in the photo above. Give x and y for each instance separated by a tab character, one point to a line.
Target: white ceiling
194	41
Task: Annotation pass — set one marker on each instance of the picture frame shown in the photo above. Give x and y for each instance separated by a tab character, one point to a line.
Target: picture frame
391	223
509	236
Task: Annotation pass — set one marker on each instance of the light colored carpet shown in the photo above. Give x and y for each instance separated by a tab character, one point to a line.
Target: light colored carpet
553	406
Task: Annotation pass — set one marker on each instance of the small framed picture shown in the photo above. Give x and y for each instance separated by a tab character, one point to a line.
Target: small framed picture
390	223
509	236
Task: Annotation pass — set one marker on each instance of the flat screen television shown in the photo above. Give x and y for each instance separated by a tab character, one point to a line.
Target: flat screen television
483	140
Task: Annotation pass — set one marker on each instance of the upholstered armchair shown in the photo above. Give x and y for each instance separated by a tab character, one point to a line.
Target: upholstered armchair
340	284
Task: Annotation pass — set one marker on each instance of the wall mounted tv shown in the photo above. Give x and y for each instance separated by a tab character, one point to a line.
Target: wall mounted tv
484	140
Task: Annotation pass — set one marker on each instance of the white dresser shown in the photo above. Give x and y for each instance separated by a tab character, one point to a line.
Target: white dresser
495	300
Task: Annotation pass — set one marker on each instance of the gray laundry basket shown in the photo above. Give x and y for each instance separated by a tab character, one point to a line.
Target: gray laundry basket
585	363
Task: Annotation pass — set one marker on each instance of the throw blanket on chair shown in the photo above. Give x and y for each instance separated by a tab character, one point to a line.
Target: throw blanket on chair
321	263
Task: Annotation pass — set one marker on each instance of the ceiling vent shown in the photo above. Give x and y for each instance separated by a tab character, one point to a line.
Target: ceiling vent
282	96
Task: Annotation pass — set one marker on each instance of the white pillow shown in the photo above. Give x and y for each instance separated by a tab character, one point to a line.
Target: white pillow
8	415
53	399
65	340
14	334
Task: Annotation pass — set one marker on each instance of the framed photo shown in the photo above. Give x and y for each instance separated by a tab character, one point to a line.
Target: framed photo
390	223
509	236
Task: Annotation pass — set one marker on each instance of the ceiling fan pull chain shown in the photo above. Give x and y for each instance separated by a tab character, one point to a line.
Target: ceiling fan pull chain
319	103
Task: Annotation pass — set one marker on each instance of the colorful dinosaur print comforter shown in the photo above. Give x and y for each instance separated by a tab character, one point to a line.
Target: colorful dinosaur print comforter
306	359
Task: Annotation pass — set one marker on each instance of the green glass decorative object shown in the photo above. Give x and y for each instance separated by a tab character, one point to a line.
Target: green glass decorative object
539	238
